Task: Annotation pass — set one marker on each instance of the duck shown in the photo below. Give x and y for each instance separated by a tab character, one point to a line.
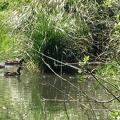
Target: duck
14	62
2	66
17	73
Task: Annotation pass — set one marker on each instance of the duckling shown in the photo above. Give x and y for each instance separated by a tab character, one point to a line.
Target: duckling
14	73
2	66
14	62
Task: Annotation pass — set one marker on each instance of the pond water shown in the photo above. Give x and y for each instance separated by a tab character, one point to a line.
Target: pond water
36	96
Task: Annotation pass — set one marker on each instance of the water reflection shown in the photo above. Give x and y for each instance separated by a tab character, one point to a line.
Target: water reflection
36	96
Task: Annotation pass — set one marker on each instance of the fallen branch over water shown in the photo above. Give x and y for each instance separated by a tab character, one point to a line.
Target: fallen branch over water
77	100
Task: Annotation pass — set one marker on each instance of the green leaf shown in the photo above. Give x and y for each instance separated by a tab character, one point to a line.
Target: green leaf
86	59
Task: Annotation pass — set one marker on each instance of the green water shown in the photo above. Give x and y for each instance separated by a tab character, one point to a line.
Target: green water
36	96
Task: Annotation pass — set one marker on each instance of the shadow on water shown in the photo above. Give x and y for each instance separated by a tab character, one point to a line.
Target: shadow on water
36	96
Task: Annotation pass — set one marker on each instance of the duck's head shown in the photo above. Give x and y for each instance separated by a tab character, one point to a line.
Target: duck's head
22	60
19	69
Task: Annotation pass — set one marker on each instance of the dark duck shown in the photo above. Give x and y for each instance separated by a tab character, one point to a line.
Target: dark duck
14	62
17	73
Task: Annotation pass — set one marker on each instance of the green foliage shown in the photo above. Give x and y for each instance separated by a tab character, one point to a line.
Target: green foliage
72	28
3	5
114	116
48	28
7	45
86	59
83	63
108	69
109	3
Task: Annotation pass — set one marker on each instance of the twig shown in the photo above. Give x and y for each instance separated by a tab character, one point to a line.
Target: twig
103	85
115	97
67	80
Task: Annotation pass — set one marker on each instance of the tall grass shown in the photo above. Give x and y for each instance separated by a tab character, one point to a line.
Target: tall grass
64	30
52	30
9	46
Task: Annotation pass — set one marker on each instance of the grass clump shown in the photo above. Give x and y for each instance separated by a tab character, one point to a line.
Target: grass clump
52	30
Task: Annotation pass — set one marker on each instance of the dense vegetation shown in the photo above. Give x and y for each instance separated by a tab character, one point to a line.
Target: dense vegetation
50	33
65	31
